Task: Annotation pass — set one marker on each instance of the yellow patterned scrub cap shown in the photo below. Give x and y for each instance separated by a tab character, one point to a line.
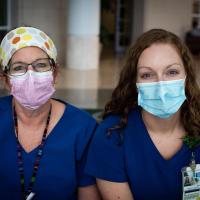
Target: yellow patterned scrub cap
25	37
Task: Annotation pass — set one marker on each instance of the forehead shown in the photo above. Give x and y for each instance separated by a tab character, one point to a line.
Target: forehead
28	54
159	55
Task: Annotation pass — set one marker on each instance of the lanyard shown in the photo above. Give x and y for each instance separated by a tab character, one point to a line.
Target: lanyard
28	193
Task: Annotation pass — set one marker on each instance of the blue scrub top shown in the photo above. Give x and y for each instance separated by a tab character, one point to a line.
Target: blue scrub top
137	161
63	161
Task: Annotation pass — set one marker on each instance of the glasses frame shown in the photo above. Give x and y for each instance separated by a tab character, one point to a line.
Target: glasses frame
51	61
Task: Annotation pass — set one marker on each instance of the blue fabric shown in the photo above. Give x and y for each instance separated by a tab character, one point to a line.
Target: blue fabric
162	98
61	167
137	161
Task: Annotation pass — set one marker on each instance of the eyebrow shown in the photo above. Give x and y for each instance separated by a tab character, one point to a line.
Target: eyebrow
21	62
168	66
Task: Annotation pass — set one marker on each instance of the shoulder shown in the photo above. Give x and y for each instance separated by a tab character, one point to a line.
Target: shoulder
5	103
75	114
83	126
80	116
80	123
107	128
113	120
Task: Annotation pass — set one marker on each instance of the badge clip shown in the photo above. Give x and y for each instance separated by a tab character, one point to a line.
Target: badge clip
30	196
193	163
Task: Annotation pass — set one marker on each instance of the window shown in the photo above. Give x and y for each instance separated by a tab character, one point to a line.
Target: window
196	12
123	25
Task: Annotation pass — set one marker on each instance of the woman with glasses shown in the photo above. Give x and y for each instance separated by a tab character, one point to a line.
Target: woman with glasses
148	143
43	141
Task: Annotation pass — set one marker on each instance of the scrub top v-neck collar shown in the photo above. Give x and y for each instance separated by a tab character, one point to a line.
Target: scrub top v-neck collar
172	162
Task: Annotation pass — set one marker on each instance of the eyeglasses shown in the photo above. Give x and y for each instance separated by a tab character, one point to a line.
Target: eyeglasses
39	65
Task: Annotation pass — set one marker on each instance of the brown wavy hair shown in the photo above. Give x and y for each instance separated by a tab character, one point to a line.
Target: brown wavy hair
124	96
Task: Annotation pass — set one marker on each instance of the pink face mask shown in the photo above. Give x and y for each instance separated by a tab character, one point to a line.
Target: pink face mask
32	89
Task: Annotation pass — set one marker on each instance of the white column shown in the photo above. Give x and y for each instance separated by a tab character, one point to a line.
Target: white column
82	39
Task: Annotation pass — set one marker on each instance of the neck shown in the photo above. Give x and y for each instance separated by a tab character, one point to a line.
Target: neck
166	126
32	117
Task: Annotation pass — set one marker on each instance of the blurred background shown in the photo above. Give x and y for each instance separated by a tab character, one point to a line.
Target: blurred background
93	36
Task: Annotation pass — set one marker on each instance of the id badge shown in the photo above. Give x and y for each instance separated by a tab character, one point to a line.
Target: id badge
191	183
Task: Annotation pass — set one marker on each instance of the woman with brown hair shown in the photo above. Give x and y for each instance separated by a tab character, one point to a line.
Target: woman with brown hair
138	150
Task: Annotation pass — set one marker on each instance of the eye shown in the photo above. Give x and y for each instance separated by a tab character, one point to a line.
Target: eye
41	64
172	72
146	75
17	67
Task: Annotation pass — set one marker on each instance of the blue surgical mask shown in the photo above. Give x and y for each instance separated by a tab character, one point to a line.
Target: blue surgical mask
163	98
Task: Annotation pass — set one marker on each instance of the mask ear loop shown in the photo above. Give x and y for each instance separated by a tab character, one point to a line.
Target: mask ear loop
52	62
5	71
185	78
4	77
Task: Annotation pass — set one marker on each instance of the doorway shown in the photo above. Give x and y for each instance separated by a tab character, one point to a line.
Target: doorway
116	25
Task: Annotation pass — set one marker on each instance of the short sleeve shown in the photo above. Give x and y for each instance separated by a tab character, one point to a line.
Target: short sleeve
82	144
106	156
